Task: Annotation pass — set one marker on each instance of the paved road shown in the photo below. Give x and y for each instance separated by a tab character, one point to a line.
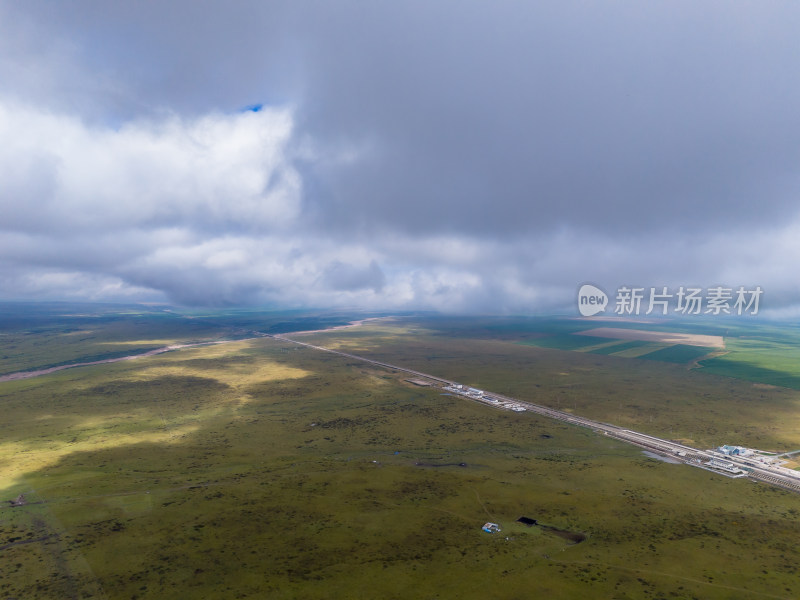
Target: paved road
752	468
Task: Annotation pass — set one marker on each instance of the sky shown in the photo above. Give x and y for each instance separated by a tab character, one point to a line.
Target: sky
458	156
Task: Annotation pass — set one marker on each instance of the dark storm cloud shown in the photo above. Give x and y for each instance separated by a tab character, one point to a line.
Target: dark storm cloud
458	155
340	276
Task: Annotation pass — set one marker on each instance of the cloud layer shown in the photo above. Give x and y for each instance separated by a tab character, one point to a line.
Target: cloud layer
449	156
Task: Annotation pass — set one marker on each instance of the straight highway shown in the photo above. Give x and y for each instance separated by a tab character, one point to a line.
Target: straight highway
730	466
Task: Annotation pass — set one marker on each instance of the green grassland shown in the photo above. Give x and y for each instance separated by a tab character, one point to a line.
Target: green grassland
756	351
676	353
618	346
568	342
663	398
34	337
260	469
759	358
69	334
641	350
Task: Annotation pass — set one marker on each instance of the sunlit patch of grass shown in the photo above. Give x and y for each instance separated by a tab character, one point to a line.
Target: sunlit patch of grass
210	362
25	457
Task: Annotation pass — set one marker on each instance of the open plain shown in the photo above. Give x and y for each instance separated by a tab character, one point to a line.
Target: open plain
258	468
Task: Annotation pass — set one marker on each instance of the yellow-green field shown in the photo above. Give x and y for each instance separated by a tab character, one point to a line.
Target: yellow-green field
259	469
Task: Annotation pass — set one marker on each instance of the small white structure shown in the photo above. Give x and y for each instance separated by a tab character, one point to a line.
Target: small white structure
723	465
491	527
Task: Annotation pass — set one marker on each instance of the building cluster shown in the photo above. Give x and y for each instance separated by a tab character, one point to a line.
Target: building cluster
725	466
735	451
738	461
465	391
756	458
477	394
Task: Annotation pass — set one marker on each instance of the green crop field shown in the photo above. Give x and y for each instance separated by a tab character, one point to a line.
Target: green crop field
679	353
618	346
567	342
762	359
666	352
642	350
260	469
754	351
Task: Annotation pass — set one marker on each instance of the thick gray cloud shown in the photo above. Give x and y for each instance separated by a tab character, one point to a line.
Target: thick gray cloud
448	155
